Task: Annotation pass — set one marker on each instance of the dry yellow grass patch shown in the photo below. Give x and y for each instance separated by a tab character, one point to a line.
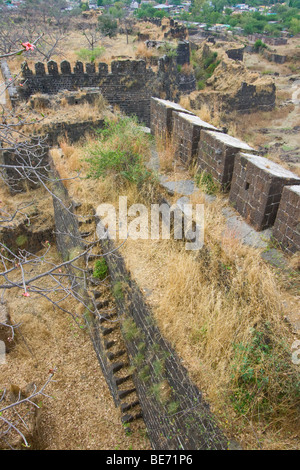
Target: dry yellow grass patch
185	103
79	402
207	302
166	152
214	306
144	52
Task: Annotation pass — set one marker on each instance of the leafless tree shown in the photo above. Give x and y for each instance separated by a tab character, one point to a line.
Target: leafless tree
18	268
14	413
50	44
92	35
10	35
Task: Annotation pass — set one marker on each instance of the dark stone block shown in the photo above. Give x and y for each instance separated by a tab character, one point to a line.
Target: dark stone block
259	206
286	228
90	68
39	68
103	68
52	67
65	67
26	72
78	69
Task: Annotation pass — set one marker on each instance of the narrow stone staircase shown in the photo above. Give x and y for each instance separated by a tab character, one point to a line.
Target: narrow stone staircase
109	342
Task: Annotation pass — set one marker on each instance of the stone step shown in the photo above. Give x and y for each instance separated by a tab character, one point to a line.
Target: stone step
124	393
109	344
86	221
117	366
107	331
128	406
107	317
128	418
102	304
121	380
85	234
111	356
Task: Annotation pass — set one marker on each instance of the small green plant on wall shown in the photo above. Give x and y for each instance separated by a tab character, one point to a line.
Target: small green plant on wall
130	329
100	269
206	182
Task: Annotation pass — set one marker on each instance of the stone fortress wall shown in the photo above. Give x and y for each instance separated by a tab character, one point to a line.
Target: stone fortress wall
126	84
129	84
263	192
255	184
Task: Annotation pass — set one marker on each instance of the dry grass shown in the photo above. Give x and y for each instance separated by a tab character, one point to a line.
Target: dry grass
79	402
166	150
185	102
209	304
144	52
204	113
61	163
206	303
73	158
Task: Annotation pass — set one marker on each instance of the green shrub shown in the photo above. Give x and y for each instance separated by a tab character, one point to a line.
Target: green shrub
87	55
259	45
204	68
21	240
209	59
118	290
265	381
144	373
206	182
169	50
100	269
201	85
124	164
173	407
118	152
130	329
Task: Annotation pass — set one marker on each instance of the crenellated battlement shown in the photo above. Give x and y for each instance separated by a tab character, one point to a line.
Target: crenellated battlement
125	83
117	67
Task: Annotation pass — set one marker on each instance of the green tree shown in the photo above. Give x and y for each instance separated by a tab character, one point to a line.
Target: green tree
116	13
108	25
294	26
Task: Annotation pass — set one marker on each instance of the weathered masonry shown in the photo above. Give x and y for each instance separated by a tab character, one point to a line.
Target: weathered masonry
162	115
186	135
262	191
236	53
287	224
126	85
216	155
191	425
257	187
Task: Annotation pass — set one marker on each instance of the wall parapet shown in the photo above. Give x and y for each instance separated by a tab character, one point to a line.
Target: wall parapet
287	224
256	188
260	190
162	115
125	67
125	84
186	135
216	155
